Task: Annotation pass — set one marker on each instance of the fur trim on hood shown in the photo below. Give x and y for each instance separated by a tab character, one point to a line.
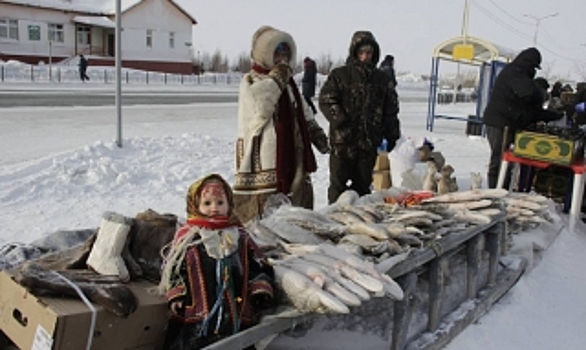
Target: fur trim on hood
264	43
364	38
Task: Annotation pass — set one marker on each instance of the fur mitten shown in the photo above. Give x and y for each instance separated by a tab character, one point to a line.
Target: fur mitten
318	137
281	74
105	257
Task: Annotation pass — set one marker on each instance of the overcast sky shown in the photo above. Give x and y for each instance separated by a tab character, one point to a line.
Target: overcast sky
409	29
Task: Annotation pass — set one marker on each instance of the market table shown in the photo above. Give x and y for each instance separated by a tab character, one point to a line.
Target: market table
578	167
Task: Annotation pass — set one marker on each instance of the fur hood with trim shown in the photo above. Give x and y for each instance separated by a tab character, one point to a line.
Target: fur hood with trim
264	43
363	38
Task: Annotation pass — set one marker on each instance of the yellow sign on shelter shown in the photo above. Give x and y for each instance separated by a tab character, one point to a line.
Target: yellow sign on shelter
463	52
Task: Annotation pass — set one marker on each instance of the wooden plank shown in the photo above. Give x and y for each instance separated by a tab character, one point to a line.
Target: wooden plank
257	333
449	242
436	291
473	262
402	312
493	239
487	297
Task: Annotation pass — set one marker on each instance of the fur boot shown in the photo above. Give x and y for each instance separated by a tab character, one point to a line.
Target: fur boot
106	255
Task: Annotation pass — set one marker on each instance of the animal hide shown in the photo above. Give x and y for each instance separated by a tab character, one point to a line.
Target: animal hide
149	233
106	291
72	258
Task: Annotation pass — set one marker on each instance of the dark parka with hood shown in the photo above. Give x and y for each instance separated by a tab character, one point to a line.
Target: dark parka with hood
515	98
358	103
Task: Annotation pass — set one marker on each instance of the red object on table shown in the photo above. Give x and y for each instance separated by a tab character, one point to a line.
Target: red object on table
579	166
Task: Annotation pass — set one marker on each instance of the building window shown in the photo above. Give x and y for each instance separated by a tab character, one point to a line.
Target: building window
55	33
34	33
83	35
172	40
8	29
149	38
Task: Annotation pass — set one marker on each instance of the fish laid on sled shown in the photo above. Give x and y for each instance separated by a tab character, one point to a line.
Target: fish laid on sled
305	295
467	196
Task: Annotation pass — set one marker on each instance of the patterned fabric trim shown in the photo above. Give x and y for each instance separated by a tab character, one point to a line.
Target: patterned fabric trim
176	292
239	152
261	287
256	144
264	180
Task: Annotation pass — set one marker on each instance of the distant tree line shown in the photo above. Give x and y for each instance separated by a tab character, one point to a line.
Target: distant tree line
219	63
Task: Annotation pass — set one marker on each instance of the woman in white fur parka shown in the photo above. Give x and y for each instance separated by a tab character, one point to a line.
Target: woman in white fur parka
275	129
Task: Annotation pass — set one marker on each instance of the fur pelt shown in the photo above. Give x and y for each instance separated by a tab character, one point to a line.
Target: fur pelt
72	258
106	291
149	233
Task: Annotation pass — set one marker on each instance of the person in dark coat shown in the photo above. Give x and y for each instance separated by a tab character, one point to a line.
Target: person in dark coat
361	109
308	82
388	66
515	103
83	68
578	116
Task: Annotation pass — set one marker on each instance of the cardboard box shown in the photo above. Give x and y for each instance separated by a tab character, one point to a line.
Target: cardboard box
548	148
62	323
381	180
382	161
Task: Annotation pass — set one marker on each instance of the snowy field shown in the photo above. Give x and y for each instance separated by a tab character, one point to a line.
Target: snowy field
61	169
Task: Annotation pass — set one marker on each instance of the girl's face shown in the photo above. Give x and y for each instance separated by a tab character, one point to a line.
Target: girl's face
282	54
213	201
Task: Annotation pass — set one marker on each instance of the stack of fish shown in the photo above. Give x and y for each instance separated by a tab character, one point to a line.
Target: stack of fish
523	210
316	250
326	279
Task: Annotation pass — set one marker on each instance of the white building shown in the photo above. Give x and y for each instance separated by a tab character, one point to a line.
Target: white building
156	34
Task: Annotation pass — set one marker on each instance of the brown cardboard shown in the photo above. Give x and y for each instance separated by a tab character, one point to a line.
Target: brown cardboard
382	161
381	180
24	318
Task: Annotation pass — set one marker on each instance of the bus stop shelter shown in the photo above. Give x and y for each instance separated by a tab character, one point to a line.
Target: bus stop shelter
471	51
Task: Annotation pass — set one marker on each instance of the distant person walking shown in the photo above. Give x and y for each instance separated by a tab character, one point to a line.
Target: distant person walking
308	82
83	69
388	66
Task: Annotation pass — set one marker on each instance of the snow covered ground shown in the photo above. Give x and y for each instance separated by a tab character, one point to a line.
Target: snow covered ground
61	169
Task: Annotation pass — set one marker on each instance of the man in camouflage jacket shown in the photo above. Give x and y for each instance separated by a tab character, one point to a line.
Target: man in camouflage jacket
362	110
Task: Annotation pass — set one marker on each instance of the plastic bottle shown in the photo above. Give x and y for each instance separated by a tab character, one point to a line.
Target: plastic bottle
383	146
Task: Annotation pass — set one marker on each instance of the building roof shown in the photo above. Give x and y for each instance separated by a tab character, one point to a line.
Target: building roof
90	7
98	21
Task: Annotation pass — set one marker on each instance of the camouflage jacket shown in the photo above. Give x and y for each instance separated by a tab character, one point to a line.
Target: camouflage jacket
359	104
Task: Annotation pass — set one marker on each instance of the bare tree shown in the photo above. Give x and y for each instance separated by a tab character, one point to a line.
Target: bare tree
205	62
243	63
216	62
580	69
470	78
546	69
324	63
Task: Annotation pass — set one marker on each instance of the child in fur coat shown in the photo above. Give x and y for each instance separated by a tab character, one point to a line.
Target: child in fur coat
215	277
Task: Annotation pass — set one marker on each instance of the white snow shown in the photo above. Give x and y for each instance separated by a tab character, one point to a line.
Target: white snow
61	169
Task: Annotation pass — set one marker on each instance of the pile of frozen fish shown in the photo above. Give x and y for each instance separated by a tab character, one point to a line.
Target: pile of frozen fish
326	279
330	259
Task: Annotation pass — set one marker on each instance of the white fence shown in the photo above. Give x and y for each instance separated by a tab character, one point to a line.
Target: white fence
12	72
